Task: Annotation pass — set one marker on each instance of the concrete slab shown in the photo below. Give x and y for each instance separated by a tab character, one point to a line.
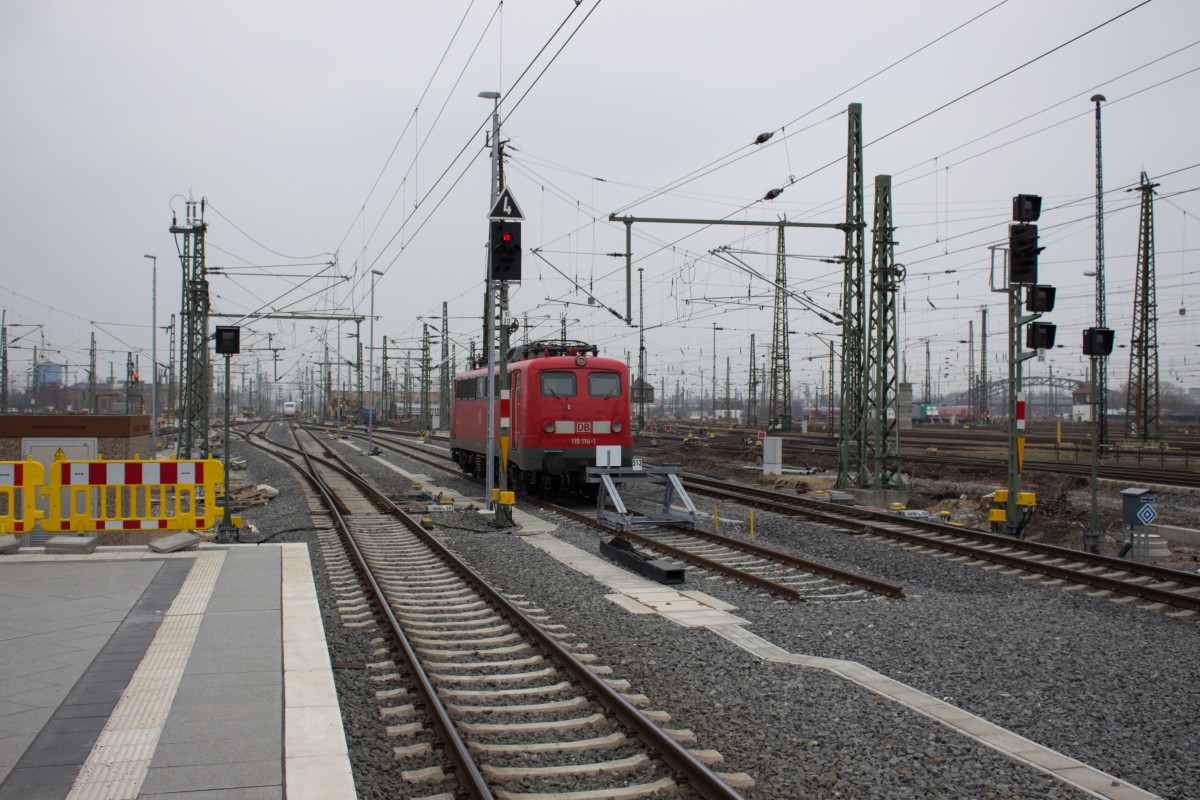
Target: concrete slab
10	543
72	545
130	688
175	542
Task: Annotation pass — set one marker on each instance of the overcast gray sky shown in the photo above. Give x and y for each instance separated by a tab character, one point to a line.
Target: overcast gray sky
284	114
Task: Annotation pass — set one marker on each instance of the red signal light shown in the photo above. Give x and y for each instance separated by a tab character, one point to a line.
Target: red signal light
506	238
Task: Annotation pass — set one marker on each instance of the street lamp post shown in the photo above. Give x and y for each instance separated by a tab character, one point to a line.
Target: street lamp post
153	354
371	369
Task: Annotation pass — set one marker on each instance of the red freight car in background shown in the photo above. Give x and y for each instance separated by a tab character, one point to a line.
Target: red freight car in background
566	401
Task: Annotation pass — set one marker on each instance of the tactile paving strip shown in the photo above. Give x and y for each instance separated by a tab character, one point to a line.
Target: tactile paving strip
121	758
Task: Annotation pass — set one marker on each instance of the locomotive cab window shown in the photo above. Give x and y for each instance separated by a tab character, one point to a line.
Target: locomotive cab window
558	384
604	384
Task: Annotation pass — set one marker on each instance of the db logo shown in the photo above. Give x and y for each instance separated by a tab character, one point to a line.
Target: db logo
583	427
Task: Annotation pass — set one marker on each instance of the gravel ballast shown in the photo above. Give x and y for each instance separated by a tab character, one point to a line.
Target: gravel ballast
1108	684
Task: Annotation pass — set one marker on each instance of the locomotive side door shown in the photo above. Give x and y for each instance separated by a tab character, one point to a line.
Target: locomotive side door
515	407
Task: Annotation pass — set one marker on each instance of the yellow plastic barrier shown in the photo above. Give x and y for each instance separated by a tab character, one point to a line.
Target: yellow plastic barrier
88	496
19	485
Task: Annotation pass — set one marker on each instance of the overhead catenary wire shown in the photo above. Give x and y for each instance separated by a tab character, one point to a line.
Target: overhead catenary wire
400	138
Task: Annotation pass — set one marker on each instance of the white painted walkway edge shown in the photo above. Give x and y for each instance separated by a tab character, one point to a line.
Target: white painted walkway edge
316	760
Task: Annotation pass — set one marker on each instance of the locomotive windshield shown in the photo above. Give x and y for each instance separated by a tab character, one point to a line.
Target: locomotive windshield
604	384
558	384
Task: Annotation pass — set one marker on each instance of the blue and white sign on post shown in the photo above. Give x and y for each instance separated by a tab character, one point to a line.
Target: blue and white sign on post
1146	514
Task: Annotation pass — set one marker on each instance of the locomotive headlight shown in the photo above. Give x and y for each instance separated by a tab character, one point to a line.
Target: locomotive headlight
616	427
548	427
581	359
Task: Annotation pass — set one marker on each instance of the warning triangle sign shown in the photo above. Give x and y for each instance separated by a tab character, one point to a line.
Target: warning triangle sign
506	207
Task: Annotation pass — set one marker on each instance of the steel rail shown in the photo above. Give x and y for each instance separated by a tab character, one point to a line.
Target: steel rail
1115	472
861	581
467	772
682	555
691	770
824	570
894	527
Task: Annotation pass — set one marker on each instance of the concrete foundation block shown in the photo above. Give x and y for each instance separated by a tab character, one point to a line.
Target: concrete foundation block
72	545
10	543
1174	533
879	498
175	542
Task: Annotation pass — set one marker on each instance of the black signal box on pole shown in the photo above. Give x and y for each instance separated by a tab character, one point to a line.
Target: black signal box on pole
1027	208
1040	335
1023	254
506	250
228	340
1097	342
1040	298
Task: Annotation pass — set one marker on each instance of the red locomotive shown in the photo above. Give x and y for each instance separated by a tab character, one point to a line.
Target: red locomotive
565	400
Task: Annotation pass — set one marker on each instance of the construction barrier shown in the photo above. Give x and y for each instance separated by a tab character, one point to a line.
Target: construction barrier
19	485
86	496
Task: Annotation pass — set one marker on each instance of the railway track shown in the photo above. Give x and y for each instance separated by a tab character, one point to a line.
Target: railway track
1158	588
1174	591
782	574
1131	475
492	699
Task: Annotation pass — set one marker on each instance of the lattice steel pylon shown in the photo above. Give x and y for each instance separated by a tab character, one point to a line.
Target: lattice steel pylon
426	380
1141	412
92	402
444	372
852	428
972	388
779	405
385	385
985	407
752	389
193	343
882	368
1100	390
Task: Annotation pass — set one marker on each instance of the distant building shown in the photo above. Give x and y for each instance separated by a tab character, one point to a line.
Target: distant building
641	392
1081	403
51	374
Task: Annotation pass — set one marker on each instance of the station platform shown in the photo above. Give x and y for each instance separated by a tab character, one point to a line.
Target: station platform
128	674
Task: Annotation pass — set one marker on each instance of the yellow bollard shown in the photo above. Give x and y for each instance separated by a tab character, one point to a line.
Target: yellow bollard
716	519
752	524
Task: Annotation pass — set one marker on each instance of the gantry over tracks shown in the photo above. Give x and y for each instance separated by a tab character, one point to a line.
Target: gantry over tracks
444	618
1159	586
